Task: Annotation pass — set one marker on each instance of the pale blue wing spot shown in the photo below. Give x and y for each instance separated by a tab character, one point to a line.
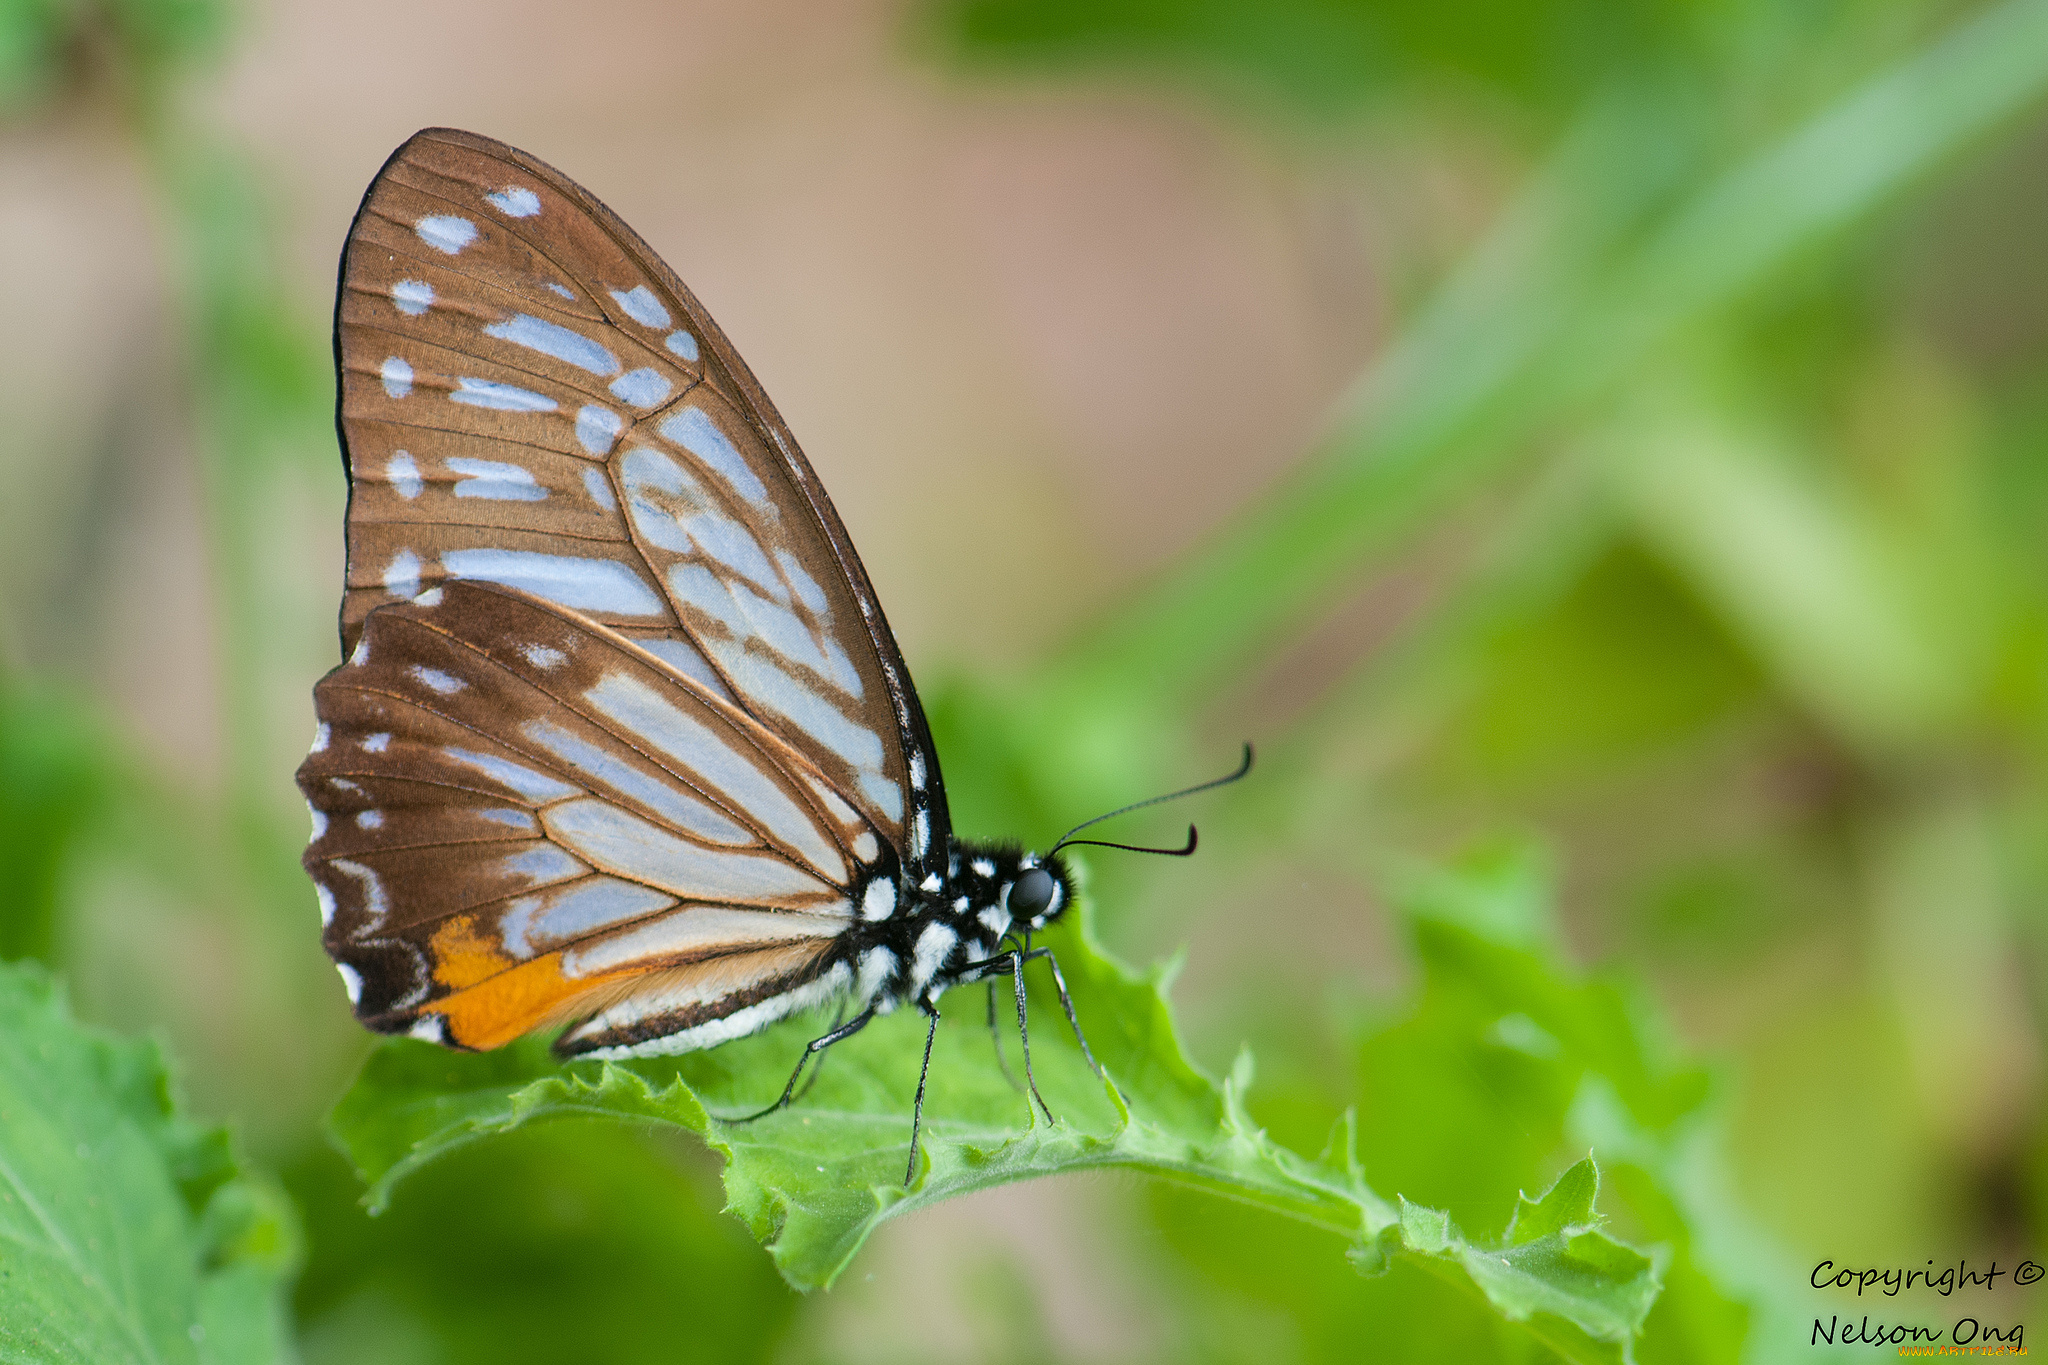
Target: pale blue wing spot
641	306
510	818
600	489
781	631
683	812
664	726
397	377
602	585
732	545
685	659
701	930
807	590
403	474
402	575
643	388
412	297
644	464
886	795
495	481
485	393
706	591
597	427
538	923
561	343
842	672
564	290
536	787
433	678
623	843
515	201
541	864
694	431
764	684
446	233
684	345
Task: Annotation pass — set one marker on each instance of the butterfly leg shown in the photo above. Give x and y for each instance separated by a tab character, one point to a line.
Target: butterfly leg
1024	1031
838	1019
931	1032
1059	982
812	1049
995	1037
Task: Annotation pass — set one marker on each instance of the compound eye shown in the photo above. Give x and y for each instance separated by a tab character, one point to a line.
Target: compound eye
1031	893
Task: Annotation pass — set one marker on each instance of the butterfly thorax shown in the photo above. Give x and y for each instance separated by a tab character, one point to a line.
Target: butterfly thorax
936	932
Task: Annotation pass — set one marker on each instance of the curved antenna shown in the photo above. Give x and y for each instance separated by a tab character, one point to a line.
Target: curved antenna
1068	837
1182	852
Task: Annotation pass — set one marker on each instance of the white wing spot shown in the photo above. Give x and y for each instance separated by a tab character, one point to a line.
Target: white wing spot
319	828
351	981
403	474
643	388
377	743
321	734
984	867
370	819
541	656
446	233
597	427
430	598
429	1028
684	345
515	201
437	680
402	575
412	297
564	290
397	377
600	489
641	306
327	906
484	393
496	481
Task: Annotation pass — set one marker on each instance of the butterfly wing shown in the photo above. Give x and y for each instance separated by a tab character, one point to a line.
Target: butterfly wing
529	396
563	480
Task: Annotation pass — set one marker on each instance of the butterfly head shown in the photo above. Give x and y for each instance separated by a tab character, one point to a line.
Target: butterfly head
1038	893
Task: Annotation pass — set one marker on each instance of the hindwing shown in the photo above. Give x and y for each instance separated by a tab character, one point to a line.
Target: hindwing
522	818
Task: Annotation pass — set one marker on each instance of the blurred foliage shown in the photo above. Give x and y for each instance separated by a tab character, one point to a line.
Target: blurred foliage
133	1233
1724	448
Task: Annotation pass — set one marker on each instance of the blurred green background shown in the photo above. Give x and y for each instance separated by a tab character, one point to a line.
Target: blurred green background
1617	430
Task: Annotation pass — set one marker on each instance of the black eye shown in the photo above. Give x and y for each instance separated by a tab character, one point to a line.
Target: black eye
1031	893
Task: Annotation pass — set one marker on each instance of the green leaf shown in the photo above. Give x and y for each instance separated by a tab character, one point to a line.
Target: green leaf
131	1233
1567	1205
813	1181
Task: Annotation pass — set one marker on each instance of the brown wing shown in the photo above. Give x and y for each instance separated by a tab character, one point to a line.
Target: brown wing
522	819
529	397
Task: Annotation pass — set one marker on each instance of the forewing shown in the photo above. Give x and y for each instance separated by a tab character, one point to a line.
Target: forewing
530	397
522	819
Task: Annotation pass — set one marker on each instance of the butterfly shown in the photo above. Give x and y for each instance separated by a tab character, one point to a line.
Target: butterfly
622	744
